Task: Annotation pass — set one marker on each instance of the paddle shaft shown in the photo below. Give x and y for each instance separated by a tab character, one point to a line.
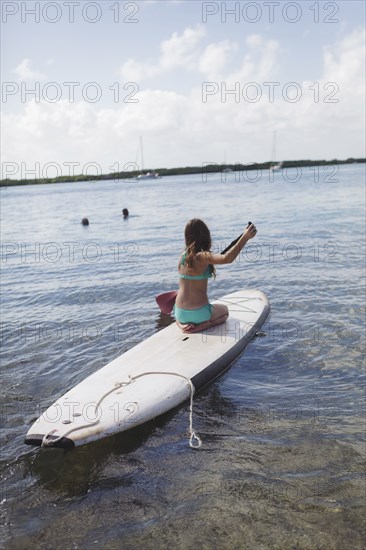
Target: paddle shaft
233	242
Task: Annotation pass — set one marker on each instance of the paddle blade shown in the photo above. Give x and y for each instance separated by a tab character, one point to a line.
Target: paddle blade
166	301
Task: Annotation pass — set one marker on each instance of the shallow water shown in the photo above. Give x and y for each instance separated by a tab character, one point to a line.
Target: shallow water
282	462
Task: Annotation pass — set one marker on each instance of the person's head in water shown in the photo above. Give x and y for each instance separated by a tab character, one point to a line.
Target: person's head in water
198	239
125	213
85	221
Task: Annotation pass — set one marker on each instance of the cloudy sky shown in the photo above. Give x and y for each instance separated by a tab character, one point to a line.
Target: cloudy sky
199	81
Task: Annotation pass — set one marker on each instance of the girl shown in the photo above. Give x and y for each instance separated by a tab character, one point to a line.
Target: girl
192	310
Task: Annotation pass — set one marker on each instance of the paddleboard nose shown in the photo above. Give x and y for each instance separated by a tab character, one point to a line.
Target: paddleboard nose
37	439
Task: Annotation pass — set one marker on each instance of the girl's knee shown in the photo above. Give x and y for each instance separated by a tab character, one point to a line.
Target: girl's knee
221	313
222	309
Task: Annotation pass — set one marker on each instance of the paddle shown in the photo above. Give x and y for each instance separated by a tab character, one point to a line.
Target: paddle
166	300
231	244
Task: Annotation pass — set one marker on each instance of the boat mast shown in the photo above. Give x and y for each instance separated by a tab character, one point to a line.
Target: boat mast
142	155
274	148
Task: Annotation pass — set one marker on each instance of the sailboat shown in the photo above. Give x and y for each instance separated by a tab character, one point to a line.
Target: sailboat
275	166
148	175
227	168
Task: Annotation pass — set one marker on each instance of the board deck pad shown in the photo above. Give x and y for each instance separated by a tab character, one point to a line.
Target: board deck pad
150	378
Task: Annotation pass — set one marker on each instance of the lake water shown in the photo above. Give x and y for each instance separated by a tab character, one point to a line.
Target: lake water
282	461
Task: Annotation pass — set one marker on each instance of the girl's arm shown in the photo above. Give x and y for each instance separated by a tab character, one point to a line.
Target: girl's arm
234	251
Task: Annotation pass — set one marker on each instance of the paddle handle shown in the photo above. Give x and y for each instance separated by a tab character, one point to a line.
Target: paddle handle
233	242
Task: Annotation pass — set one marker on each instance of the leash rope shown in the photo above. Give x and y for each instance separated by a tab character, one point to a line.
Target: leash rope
194	440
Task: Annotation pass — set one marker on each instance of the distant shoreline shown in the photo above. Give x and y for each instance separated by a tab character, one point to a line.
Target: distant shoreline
187	170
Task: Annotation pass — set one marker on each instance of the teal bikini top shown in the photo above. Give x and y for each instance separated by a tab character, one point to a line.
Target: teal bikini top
207	274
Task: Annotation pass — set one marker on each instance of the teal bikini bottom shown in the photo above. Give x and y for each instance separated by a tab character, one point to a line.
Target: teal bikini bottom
195	316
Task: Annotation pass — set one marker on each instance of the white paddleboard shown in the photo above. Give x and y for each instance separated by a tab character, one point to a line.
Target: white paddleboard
150	379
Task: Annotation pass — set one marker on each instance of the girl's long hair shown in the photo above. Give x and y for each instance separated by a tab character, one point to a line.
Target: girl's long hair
198	239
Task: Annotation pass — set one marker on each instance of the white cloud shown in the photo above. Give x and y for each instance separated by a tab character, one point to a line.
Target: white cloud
25	71
180	129
133	71
186	51
341	100
179	51
344	62
254	40
260	61
214	59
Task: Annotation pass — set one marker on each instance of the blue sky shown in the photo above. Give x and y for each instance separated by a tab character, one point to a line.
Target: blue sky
165	53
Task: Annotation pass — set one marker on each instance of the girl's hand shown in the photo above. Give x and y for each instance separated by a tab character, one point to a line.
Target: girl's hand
250	231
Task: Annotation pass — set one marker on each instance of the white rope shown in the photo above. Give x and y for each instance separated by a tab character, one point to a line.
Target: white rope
46	442
193	437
